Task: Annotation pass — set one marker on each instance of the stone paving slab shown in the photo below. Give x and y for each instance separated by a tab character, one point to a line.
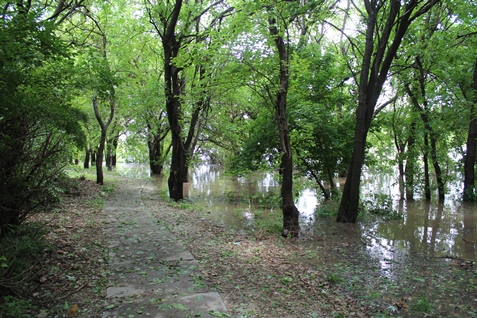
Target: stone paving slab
151	272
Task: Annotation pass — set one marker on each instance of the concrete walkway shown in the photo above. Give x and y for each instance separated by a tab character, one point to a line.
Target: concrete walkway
152	274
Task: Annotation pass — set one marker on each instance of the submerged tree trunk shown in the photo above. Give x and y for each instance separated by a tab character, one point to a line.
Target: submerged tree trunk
291	225
430	135
425	158
411	159
471	147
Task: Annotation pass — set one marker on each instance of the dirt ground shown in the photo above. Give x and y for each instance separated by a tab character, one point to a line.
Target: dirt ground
257	275
70	278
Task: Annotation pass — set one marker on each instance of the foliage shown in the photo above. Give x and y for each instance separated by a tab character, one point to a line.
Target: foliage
20	249
381	205
269	221
260	150
422	304
16	307
327	209
320	123
37	121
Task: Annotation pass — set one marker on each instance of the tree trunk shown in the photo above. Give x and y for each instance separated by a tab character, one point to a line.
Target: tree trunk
115	143
437	168
102	142
427	181
109	158
87	158
429	132
471	147
411	158
381	46
173	103
155	155
291	225
99	158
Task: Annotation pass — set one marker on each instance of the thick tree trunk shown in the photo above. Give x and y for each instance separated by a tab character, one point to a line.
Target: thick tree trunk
349	205
471	147
172	92
172	89
155	148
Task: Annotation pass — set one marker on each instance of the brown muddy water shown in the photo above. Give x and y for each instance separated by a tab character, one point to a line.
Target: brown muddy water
446	230
421	260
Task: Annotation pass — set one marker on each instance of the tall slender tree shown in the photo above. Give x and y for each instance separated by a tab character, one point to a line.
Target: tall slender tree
175	24
291	225
386	24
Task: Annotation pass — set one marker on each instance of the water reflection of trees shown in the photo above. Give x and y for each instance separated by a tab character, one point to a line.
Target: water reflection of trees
435	229
432	228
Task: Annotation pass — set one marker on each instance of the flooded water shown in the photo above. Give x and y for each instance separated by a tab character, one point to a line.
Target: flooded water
420	264
440	230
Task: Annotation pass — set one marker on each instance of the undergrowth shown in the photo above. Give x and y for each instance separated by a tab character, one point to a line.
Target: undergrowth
20	250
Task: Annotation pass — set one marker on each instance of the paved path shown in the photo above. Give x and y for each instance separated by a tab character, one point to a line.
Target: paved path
152	274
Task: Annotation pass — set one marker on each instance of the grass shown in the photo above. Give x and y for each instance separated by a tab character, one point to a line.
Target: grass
422	304
328	208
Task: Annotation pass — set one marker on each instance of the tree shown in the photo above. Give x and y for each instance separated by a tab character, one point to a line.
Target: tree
37	120
471	146
320	116
96	32
176	24
386	25
291	225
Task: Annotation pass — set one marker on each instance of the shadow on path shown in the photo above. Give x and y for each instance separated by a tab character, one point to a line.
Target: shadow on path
151	272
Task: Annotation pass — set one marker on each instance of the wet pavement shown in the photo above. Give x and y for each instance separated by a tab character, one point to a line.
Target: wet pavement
151	272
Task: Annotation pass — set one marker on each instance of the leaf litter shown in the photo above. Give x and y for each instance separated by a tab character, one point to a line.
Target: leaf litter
327	275
257	274
70	277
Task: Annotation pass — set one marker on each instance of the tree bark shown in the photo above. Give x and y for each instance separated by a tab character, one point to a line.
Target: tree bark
381	46
182	146
102	141
171	45
411	158
291	225
471	146
156	148
115	143
87	158
430	135
425	158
